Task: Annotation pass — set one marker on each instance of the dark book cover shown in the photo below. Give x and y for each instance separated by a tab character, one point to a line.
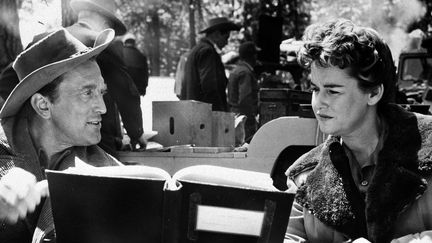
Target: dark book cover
90	208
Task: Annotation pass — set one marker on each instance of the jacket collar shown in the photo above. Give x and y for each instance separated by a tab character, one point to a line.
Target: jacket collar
247	65
396	183
17	134
211	43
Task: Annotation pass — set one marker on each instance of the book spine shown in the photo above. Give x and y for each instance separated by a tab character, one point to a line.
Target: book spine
171	217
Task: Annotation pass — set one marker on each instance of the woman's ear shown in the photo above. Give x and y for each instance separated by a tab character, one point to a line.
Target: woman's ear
41	105
376	94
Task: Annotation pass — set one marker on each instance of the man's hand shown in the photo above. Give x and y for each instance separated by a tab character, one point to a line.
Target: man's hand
140	144
20	194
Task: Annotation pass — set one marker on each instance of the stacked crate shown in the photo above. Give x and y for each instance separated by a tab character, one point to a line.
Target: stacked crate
192	122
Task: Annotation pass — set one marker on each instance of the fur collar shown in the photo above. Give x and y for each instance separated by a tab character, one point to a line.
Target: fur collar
398	180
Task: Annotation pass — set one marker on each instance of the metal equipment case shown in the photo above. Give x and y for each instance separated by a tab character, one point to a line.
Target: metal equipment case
279	102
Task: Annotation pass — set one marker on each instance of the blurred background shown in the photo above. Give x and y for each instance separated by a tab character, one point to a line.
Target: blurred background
166	29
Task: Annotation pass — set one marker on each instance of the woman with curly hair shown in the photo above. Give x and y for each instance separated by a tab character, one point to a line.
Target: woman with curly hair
369	179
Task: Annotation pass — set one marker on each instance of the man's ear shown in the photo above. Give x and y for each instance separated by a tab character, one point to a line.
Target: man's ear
376	94
41	105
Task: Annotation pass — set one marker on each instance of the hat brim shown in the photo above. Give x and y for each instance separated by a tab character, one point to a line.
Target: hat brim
46	74
119	27
226	26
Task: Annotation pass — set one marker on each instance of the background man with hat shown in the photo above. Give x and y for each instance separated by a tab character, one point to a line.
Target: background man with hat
123	96
243	88
52	117
136	63
205	78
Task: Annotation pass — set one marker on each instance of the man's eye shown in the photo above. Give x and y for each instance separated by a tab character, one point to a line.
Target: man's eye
104	92
333	91
88	92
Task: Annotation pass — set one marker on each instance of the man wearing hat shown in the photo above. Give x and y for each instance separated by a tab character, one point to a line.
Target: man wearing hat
205	78
52	117
243	88
136	63
123	96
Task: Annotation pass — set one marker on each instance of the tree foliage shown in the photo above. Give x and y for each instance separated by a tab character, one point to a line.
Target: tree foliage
10	40
166	29
163	28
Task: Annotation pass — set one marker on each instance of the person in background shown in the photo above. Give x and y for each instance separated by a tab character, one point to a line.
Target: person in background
51	117
369	181
205	78
180	75
136	63
123	96
243	88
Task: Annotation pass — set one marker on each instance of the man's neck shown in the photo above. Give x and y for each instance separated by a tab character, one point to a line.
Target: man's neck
249	64
213	41
44	139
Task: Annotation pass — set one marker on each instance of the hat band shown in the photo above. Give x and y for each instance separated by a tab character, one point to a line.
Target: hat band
81	52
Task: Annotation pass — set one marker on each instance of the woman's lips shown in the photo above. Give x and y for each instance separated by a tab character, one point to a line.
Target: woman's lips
323	117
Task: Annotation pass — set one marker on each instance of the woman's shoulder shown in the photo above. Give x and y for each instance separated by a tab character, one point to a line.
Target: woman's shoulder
425	152
304	164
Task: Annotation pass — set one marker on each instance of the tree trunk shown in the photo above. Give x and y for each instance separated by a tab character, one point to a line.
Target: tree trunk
192	35
10	39
68	16
201	22
155	28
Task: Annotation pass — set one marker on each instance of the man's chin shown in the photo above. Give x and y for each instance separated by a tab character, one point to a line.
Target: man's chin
92	141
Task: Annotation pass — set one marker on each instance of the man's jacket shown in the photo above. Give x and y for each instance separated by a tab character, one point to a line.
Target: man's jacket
17	150
205	78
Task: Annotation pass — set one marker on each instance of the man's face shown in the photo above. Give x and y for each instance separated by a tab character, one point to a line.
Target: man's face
222	39
76	114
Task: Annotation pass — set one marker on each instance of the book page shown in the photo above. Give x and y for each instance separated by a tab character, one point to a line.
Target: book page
136	171
226	176
229	220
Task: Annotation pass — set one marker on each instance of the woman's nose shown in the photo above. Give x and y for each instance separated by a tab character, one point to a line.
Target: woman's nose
319	100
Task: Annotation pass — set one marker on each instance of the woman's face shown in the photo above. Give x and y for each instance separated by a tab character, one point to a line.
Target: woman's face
340	106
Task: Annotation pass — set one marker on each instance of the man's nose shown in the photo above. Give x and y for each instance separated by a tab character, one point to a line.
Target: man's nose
100	105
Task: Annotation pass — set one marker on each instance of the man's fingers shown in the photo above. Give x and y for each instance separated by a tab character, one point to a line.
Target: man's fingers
7	212
7	195
20	194
42	188
12	217
32	199
22	209
19	181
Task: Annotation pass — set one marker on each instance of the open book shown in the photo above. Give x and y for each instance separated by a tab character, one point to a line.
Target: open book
140	204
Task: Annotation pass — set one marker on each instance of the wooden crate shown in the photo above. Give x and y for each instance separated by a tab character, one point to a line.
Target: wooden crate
182	122
223	133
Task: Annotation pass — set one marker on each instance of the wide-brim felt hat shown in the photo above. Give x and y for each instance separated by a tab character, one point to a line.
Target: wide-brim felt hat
105	7
46	60
220	23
